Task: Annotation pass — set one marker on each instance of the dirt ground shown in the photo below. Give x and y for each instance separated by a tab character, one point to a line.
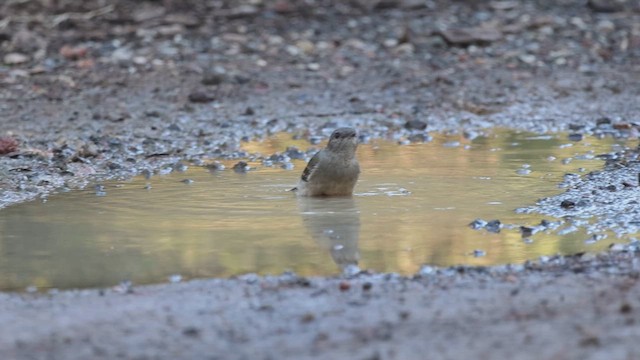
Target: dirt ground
100	89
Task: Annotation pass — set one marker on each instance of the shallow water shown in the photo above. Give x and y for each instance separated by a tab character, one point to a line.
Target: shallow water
412	206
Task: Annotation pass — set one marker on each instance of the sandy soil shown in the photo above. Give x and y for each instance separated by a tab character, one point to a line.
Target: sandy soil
564	309
101	89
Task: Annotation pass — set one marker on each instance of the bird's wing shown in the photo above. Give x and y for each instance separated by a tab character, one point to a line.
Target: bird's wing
311	166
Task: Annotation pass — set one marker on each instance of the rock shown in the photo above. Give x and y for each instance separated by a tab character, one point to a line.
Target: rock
201	97
145	13
242	11
420	138
122	55
183	19
605	6
415	125
493	226
8	145
73	53
575	137
477	224
241	167
479	253
215	166
212	79
567	204
15	58
526	231
470	36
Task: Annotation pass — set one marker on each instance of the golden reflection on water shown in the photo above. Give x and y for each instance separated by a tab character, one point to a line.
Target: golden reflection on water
412	207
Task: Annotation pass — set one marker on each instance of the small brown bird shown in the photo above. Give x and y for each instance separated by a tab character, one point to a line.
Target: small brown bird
334	170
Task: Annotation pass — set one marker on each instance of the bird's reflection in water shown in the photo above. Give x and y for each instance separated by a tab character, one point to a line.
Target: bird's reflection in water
334	224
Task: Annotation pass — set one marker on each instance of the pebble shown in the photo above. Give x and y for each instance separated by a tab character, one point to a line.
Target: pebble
493	226
415	125
201	97
575	137
477	224
241	167
15	59
470	36
479	253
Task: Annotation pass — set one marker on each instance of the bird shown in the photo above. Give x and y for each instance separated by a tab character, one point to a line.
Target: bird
334	170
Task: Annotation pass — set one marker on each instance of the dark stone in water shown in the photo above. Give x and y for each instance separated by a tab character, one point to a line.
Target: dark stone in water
575	137
526	231
477	224
479	253
420	138
494	226
241	167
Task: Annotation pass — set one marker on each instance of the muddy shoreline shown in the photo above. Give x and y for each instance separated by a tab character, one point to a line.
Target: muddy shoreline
97	90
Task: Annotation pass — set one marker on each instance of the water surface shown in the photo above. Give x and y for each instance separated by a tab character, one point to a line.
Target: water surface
412	207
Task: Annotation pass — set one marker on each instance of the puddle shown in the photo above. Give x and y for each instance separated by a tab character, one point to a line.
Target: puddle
412	206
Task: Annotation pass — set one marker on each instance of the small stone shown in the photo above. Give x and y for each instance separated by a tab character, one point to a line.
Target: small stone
122	55
8	145
420	138
575	137
603	122
191	331
567	204
180	167
426	270
344	286
493	226
241	167
242	11
477	224
605	6
73	53
479	253
526	231
15	58
215	166
625	308
307	318
201	97
212	79
470	36
415	125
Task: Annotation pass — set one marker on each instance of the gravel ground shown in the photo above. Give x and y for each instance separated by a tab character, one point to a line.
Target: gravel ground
100	89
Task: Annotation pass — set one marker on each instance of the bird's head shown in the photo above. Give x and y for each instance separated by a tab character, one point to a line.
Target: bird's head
343	139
